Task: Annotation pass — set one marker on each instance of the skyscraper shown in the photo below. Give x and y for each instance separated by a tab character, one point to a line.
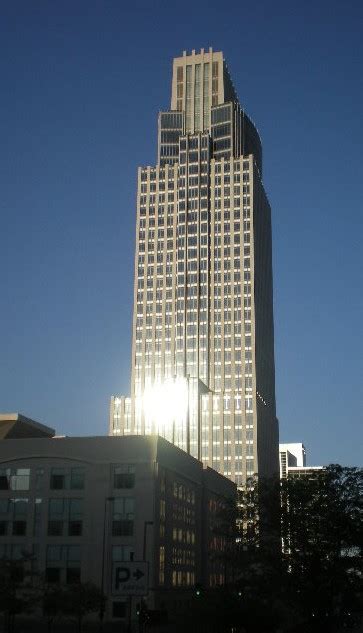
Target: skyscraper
203	342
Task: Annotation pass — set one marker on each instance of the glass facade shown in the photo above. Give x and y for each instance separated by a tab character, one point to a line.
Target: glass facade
203	360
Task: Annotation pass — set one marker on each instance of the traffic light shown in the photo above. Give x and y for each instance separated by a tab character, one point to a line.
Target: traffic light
198	590
141	610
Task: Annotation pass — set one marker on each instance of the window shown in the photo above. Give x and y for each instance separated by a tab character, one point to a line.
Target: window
124	476
121	553
54	553
20	479
12	552
73	575
119	609
74	528
65	510
124	527
56	507
123	516
14	478
58	479
249	467
62	479
52	575
63	562
75	517
5	479
19	528
56	513
19	511
20	507
77	478
73	553
55	528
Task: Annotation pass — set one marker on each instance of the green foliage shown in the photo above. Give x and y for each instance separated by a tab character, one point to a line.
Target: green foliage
22	594
19	591
79	599
314	583
323	513
322	536
259	513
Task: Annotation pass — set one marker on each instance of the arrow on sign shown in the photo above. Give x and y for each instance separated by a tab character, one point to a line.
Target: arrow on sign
138	574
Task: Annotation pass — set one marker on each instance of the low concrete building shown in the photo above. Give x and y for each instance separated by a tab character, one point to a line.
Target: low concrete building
135	515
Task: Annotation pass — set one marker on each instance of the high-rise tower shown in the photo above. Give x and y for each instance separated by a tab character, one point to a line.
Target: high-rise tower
203	342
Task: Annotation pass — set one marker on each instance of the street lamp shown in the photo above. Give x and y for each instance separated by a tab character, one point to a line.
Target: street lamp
103	605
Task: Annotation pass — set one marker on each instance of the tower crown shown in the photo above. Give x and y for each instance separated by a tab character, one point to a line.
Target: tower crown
203	99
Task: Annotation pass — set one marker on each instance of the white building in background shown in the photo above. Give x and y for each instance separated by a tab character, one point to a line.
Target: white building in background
293	461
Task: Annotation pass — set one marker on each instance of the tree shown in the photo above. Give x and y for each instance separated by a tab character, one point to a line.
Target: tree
80	599
245	602
322	534
53	603
18	591
311	584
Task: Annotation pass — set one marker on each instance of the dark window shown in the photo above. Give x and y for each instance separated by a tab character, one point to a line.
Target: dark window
124	480
221	144
119	609
55	528
73	575
122	528
169	137
4	506
221	114
221	130
170	120
17	573
19	528
74	528
52	574
3	528
4	482
57	482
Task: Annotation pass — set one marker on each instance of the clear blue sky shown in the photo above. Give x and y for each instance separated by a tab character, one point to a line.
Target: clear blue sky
81	85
